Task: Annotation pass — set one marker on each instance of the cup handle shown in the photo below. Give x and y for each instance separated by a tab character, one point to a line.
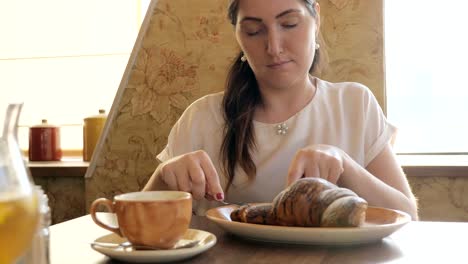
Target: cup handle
109	205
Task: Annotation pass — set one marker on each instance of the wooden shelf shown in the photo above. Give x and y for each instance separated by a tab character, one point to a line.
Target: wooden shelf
66	168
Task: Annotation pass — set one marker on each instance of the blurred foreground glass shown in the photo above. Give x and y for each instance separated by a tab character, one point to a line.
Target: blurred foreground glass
18	203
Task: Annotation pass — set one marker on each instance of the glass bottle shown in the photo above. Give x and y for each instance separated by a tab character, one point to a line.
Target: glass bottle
38	253
19	212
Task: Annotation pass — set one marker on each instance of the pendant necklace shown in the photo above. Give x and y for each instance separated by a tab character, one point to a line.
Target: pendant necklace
281	129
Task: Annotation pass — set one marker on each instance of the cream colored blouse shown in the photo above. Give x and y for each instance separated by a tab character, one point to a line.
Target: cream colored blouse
345	115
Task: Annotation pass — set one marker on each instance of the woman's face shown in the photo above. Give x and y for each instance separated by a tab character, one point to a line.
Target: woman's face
278	38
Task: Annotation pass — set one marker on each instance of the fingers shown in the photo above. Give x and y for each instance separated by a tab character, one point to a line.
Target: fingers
195	173
323	169
316	161
169	178
334	174
183	181
181	176
208	195
313	170
213	186
197	179
296	170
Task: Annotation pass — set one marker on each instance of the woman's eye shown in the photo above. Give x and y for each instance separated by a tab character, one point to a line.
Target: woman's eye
252	33
251	30
289	25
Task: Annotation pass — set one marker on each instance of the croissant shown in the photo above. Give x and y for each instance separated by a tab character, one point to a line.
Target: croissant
309	202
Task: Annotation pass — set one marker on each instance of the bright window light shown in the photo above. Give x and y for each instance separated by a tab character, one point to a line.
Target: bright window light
65	59
427	92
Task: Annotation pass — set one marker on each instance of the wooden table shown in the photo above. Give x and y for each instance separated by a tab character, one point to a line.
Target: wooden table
417	242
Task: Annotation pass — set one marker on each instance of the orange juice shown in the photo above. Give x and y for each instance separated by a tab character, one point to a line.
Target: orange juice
18	222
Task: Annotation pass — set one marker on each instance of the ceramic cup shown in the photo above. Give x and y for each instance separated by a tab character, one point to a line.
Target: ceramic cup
157	218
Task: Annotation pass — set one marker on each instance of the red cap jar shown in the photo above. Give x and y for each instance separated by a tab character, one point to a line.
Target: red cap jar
44	142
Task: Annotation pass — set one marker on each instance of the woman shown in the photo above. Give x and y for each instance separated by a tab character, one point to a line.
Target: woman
275	123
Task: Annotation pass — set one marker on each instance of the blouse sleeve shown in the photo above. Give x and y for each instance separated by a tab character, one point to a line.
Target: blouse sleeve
182	138
378	130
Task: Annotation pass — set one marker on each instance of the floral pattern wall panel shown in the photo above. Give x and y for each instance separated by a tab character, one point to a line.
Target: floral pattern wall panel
181	54
353	35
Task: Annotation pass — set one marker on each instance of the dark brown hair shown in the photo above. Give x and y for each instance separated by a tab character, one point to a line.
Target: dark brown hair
241	96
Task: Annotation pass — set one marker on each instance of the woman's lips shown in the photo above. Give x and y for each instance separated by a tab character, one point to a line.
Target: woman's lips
279	64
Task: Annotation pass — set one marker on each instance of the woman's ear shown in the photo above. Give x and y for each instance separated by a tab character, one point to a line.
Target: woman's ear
317	18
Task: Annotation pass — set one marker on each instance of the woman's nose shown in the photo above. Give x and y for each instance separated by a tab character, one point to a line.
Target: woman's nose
274	43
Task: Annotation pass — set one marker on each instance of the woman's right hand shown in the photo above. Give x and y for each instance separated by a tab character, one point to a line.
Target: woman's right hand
193	172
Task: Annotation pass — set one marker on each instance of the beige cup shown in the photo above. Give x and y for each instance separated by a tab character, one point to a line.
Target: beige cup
157	218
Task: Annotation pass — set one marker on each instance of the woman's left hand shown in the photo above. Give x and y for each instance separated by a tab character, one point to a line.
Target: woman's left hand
321	161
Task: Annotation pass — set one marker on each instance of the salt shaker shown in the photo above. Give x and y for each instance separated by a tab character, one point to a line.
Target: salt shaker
38	253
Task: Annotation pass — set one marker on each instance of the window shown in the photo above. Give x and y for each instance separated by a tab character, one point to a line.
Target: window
427	92
65	59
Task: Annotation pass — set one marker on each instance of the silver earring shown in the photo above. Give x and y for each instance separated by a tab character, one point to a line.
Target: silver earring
243	58
317	46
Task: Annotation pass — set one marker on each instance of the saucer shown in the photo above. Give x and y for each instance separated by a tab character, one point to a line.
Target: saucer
207	240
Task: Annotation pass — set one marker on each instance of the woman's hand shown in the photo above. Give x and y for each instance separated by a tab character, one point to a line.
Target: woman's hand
193	172
321	161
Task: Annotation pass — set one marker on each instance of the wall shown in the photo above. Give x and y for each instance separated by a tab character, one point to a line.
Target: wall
441	198
353	36
66	196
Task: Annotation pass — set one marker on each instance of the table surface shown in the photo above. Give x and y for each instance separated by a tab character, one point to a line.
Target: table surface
416	242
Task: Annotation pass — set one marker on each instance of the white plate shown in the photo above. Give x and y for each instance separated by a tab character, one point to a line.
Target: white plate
380	222
207	240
